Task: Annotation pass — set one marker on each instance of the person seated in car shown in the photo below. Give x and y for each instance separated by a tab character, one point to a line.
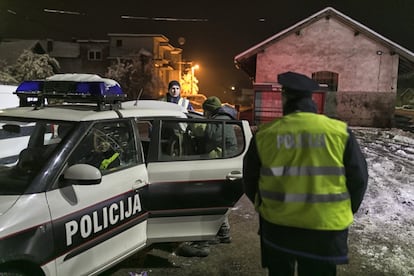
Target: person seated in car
104	155
100	152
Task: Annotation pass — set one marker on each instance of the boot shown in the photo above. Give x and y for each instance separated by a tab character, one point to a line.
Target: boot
193	249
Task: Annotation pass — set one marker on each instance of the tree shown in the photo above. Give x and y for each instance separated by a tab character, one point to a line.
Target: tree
186	81
136	76
29	66
5	77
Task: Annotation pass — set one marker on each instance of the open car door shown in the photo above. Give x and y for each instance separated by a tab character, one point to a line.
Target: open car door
195	175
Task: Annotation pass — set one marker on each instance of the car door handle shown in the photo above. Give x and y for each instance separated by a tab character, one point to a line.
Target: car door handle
234	175
137	184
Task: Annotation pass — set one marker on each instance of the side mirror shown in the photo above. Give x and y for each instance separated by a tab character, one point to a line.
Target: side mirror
82	174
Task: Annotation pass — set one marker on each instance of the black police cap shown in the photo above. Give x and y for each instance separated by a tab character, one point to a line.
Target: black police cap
298	82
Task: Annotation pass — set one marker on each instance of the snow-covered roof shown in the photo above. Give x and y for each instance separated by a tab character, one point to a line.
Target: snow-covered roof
62	49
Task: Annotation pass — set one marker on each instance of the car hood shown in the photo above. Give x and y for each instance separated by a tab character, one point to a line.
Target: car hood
6	202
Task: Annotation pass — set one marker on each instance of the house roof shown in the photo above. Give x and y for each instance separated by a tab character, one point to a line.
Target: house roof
160	37
62	49
247	59
11	50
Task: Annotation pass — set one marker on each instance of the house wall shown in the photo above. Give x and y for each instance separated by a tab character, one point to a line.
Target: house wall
99	67
131	45
156	46
70	65
363	65
360	108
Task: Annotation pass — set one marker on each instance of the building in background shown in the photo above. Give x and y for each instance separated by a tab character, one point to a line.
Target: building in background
167	58
11	49
95	56
357	67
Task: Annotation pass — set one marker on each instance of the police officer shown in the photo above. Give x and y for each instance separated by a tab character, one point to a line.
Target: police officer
306	175
174	95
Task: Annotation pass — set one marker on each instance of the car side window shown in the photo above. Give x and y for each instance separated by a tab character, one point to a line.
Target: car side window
200	139
144	131
108	146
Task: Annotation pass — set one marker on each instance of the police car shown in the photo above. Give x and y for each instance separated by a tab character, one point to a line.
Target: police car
88	179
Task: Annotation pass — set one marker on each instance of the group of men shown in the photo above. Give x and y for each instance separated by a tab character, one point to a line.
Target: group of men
306	176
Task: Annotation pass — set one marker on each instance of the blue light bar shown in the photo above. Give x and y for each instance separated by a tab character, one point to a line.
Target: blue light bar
32	87
100	91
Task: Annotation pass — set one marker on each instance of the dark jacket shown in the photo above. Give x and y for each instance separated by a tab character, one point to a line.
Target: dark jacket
321	245
214	132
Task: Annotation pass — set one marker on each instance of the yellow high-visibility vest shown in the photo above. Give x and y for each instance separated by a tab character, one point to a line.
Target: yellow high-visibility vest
106	162
302	180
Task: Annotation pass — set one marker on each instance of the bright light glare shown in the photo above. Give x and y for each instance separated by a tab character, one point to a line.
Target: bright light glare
61	12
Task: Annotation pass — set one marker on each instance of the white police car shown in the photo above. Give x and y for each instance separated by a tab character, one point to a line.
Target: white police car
83	186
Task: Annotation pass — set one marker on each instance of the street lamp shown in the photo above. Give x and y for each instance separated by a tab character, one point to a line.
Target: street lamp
195	67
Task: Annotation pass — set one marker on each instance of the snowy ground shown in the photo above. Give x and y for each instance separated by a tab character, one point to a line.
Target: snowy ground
382	235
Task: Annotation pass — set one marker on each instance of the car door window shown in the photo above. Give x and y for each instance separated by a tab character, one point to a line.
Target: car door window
200	139
108	146
144	132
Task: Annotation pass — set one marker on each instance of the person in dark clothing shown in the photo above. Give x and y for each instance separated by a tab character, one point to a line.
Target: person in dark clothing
306	176
213	109
174	96
212	143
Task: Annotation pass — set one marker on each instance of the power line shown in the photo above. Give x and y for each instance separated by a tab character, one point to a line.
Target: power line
164	18
62	12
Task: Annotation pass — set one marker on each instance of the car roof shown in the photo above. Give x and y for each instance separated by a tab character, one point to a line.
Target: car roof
89	112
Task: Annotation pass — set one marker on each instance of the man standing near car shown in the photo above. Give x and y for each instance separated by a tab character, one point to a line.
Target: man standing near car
306	175
174	95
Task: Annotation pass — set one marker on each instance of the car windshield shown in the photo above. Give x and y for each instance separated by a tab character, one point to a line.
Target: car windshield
25	146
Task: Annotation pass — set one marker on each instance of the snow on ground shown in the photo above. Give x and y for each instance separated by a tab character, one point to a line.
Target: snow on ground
384	225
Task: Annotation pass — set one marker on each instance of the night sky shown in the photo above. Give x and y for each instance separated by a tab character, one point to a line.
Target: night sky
218	32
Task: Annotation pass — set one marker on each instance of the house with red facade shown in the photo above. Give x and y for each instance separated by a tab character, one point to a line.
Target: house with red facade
356	67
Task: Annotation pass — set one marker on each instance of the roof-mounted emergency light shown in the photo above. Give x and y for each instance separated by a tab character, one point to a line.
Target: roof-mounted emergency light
82	88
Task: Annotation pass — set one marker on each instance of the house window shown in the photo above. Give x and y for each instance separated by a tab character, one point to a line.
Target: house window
94	55
119	43
327	80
